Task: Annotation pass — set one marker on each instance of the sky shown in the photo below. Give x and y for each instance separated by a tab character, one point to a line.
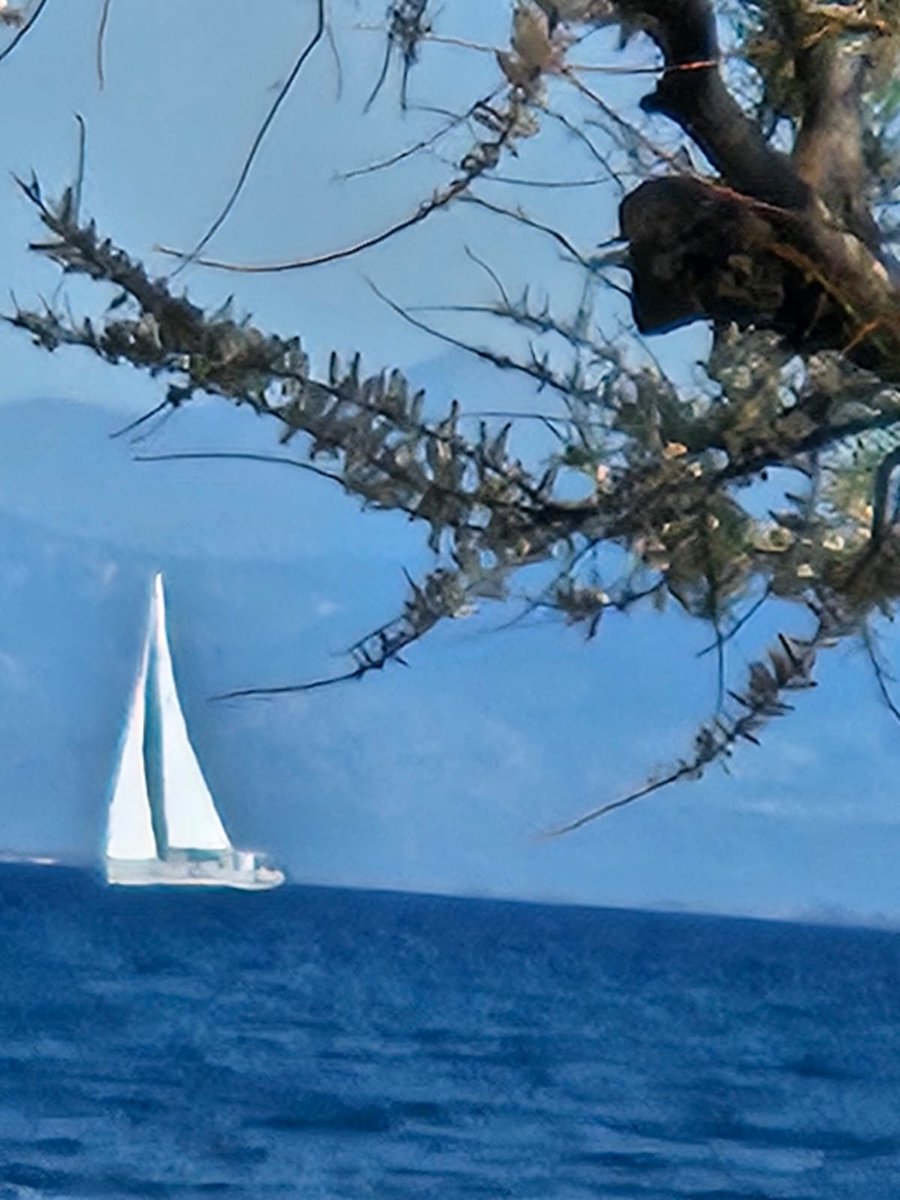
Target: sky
441	777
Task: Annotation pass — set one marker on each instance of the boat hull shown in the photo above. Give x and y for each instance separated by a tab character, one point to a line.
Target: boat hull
211	874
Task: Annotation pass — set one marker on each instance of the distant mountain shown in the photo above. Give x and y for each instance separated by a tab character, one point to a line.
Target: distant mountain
59	464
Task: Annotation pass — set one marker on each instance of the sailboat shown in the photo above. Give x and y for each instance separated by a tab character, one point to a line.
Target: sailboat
163	826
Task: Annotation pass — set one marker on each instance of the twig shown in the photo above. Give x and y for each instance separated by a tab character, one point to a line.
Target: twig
29	25
283	92
240	456
666	156
879	671
545	183
578	133
138	421
595	813
382	76
454	120
439	200
523	218
739	624
79	172
491	274
534	370
101	38
788	668
483	157
338	66
288	688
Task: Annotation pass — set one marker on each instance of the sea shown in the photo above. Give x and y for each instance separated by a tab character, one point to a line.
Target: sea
325	1043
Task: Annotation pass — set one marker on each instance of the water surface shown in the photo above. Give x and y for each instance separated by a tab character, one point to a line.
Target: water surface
331	1044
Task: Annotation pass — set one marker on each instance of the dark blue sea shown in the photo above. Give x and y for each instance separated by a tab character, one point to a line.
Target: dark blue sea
324	1044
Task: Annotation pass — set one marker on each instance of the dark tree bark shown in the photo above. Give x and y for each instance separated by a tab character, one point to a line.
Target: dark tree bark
786	243
691	92
828	150
702	251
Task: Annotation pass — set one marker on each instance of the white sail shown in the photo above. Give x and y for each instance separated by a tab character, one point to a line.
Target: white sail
163	826
191	820
130	829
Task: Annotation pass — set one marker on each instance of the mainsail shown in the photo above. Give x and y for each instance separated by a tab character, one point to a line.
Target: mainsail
163	824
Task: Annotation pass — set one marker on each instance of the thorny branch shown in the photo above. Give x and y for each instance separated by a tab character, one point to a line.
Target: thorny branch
788	668
662	475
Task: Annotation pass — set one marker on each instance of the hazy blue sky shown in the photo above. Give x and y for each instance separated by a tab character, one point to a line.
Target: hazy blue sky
438	777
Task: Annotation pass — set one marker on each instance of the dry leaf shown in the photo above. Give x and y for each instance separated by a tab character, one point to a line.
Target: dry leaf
534	50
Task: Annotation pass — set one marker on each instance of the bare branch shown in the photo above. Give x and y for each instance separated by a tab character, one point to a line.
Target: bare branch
101	41
882	678
243	174
789	668
23	30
